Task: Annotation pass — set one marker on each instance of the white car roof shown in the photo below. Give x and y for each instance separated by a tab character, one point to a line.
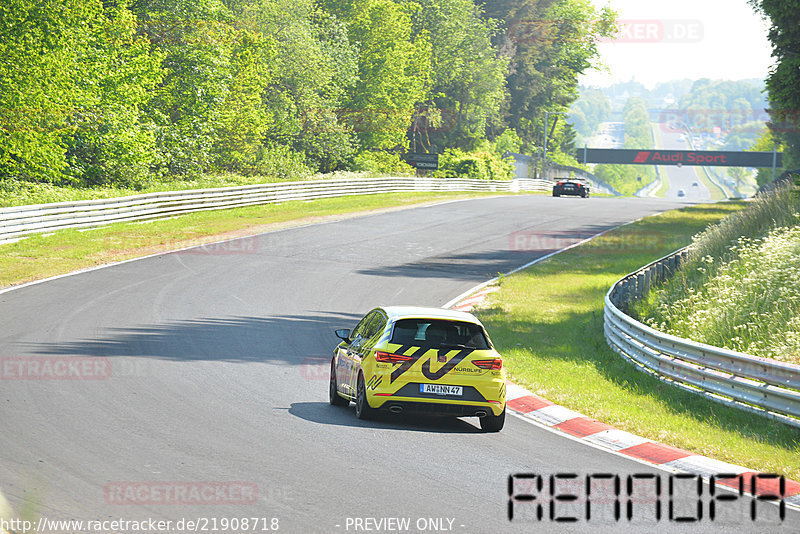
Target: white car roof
409	312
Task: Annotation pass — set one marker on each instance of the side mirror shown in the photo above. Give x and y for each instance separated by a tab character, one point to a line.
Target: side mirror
343	334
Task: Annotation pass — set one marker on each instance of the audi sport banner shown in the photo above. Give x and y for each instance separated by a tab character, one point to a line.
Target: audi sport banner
680	157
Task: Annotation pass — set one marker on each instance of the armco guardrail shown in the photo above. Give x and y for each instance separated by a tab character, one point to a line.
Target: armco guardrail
20	221
745	381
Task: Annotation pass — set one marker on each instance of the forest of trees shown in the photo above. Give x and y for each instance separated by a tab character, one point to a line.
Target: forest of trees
121	92
737	108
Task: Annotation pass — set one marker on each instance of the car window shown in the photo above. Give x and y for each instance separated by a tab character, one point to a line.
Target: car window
376	325
363	325
439	333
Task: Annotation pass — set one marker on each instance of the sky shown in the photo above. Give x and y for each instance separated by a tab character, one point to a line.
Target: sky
667	40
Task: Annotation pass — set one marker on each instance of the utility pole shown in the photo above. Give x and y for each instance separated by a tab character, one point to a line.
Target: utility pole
774	162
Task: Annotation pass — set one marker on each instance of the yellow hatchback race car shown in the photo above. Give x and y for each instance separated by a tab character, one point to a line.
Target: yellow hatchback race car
428	360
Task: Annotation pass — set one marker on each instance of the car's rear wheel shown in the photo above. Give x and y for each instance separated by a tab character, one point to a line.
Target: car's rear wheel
493	423
363	409
555	194
333	396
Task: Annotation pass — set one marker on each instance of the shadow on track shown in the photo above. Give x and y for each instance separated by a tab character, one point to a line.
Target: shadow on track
325	414
292	339
523	246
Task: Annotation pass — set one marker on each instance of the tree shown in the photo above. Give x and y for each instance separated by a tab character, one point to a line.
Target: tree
41	45
549	43
638	134
467	91
393	72
326	138
112	140
767	142
243	120
311	66
784	79
589	111
195	40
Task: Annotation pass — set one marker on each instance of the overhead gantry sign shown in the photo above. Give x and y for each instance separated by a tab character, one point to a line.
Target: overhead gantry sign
680	157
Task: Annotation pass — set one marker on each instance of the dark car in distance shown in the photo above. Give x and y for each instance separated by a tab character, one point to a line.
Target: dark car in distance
571	187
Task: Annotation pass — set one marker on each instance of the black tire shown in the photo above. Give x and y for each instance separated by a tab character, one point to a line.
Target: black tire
555	194
363	409
493	423
333	397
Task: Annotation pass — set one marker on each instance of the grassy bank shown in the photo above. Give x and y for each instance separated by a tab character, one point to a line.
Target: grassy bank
43	255
740	288
547	321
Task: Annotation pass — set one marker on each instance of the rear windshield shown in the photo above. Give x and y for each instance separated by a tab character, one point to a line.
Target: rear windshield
439	333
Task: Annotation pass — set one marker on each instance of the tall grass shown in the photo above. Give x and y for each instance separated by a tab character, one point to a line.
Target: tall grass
740	288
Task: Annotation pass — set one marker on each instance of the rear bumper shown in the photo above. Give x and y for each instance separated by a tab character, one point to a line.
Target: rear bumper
484	398
444	409
570	192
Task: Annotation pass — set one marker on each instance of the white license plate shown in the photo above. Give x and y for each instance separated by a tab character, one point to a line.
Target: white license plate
440	389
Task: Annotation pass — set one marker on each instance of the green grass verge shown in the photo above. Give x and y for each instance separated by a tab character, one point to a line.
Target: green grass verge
547	321
44	255
662	171
717	191
664	188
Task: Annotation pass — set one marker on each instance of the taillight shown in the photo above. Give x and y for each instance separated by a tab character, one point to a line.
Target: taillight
388	357
560	183
495	364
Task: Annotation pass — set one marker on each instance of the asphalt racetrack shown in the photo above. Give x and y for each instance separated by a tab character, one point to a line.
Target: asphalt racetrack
214	405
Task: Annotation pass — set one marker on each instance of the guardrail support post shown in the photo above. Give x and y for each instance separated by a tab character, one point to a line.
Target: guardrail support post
622	293
669	267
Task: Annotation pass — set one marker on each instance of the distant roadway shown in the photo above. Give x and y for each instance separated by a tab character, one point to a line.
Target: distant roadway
681	178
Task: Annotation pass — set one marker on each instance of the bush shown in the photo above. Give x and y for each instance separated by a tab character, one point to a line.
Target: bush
508	141
280	162
625	178
481	164
380	162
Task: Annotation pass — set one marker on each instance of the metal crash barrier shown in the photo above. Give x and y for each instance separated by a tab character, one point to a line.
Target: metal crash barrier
749	382
20	221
